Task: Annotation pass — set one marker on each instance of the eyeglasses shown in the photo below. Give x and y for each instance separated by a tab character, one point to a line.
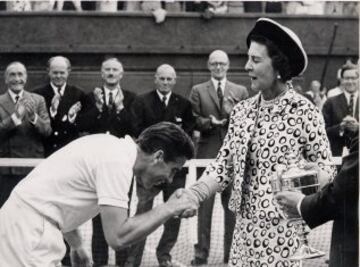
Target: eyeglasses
221	64
350	78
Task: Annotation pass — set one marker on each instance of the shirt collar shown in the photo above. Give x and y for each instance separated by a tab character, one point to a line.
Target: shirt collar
216	83
56	90
13	95
162	95
347	95
114	91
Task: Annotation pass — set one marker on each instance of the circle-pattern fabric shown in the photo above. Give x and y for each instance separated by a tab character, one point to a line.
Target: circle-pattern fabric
258	138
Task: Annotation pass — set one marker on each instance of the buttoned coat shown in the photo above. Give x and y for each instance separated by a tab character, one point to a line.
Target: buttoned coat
25	140
205	102
335	110
91	120
148	110
63	130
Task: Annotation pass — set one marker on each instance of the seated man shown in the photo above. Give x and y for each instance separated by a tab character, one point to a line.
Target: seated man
92	175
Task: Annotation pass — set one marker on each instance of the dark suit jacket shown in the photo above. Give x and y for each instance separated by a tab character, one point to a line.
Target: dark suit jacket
25	140
92	121
63	131
205	102
147	110
334	110
338	201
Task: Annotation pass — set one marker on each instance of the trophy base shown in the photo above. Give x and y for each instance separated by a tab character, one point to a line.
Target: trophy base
305	252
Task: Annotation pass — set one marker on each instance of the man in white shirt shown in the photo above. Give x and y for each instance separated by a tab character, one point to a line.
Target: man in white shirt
92	175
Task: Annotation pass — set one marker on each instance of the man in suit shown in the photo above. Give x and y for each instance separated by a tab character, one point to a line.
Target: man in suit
341	112
161	104
24	121
63	102
212	102
338	201
106	110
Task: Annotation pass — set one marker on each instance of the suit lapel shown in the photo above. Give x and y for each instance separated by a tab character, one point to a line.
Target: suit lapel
171	107
8	103
343	105
357	109
213	95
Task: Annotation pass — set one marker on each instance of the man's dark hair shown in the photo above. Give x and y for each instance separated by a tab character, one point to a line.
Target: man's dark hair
280	61
168	137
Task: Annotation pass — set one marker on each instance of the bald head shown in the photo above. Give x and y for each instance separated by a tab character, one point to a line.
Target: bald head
59	70
315	86
218	64
59	61
165	78
166	68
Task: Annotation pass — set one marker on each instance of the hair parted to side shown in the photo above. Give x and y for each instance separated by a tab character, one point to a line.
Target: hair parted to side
168	137
280	61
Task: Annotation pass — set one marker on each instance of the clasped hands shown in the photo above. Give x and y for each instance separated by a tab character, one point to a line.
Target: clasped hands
25	107
183	203
349	123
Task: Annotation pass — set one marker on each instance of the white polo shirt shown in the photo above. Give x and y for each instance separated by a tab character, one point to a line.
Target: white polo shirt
69	186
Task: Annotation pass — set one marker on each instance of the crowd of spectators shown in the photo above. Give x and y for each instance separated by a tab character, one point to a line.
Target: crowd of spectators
214	7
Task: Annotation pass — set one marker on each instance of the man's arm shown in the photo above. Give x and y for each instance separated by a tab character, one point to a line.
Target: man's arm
78	255
121	231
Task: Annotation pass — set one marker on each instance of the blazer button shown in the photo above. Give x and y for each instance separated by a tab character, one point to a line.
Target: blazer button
56	133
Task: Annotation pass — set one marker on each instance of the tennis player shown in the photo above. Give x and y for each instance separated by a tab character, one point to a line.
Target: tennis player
90	175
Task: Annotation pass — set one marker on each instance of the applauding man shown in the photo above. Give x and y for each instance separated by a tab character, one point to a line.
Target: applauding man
63	102
24	121
107	108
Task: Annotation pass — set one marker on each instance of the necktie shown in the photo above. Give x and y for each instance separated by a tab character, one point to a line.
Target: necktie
111	101
59	90
163	101
351	105
17	97
220	95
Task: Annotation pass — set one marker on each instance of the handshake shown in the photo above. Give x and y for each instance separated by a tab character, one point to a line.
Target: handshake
183	203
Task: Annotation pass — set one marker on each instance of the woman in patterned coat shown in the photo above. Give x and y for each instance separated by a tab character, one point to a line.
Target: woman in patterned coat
262	130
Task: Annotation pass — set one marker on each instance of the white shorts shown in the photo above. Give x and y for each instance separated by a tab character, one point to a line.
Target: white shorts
27	239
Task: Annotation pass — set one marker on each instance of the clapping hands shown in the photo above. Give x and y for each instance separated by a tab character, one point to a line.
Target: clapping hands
214	121
25	107
350	123
118	102
55	101
99	98
73	111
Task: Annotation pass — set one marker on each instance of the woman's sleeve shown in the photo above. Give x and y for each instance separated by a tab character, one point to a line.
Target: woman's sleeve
218	174
317	146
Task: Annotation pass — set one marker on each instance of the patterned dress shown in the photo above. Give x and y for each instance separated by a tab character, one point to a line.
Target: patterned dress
259	136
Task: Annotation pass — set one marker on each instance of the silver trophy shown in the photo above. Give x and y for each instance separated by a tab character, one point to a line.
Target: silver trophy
293	177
